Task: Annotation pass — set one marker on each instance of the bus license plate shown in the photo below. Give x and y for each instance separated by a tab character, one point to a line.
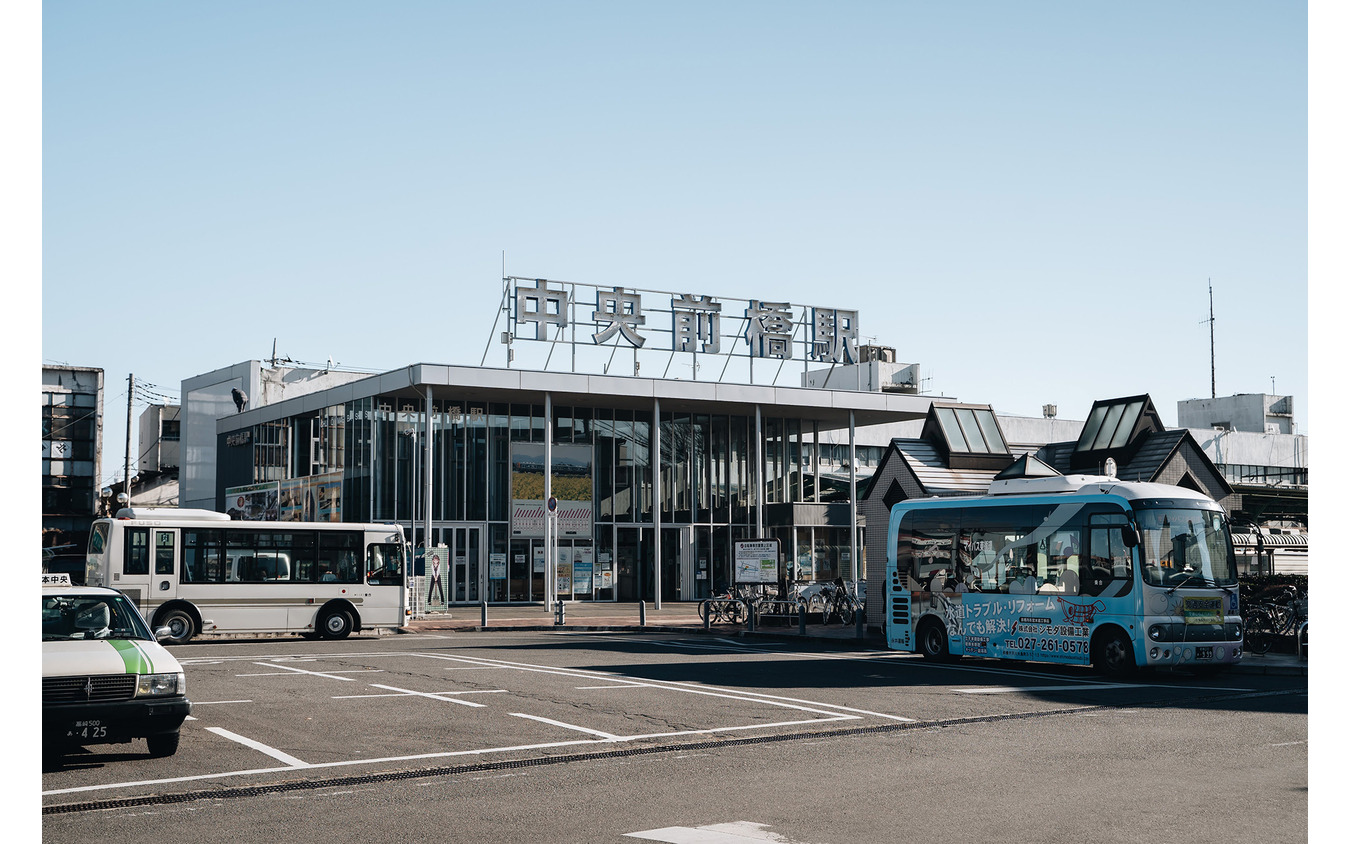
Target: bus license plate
1204	653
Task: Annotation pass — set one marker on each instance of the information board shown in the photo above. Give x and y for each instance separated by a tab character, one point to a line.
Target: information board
756	560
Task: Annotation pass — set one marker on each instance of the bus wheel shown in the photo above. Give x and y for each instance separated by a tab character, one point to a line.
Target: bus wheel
933	642
180	626
336	624
1113	654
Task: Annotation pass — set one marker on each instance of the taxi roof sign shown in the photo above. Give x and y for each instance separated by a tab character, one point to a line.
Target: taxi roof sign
58	579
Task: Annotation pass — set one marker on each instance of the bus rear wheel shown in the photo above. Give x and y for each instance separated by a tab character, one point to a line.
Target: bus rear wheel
180	626
933	642
336	624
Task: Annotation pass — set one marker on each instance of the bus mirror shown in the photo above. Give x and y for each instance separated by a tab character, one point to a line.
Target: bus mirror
1130	538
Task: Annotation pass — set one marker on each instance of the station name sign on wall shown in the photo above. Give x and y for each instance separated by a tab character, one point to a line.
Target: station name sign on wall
693	323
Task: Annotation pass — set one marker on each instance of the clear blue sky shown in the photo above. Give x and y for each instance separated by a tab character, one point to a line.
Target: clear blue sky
1028	199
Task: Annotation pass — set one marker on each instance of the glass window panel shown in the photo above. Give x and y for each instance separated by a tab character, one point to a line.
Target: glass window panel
136	555
970	429
951	429
1127	423
1090	428
1109	424
989	427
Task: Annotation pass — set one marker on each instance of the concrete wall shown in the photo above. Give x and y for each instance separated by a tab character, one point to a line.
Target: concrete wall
1250	412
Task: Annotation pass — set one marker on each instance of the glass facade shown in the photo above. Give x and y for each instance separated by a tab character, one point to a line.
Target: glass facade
488	502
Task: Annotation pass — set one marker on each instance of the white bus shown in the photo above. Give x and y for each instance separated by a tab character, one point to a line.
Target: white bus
1075	569
196	571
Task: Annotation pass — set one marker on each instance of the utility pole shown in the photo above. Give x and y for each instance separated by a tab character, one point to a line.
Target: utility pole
131	389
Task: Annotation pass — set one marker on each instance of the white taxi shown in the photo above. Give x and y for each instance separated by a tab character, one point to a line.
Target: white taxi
105	677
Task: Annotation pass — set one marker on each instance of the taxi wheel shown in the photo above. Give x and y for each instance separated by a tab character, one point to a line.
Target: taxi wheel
164	744
180	626
336	624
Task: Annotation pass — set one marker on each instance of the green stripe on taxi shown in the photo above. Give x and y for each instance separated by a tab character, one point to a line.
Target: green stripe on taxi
133	657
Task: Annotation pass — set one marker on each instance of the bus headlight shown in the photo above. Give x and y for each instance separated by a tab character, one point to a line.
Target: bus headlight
160	685
1155	632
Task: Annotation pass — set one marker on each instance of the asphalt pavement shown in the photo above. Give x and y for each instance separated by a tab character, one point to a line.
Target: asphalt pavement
684	616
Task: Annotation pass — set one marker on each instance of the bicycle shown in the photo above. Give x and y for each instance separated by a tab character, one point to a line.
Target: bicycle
1287	610
1265	619
723	609
837	600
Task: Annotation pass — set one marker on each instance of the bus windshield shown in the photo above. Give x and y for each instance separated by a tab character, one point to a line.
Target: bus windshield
1186	548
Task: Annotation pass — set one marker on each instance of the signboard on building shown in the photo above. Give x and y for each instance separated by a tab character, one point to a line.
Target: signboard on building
756	561
571	488
317	498
587	315
253	502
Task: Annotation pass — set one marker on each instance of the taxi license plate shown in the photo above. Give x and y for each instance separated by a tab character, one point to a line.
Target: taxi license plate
1204	653
87	729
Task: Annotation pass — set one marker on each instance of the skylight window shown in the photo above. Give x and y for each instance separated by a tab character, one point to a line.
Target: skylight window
1110	424
970	430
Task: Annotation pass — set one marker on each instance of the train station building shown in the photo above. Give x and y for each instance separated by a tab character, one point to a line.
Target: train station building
636	487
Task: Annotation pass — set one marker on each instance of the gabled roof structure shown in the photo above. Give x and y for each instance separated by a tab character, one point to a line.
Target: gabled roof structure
962	451
1114	429
1027	466
967	436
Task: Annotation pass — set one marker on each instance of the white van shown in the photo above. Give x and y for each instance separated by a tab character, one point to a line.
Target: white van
105	678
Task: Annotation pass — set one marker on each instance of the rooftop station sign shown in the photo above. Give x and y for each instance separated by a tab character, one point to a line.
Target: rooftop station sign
678	323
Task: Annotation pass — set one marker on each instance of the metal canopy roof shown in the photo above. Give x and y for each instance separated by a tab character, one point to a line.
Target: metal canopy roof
828	408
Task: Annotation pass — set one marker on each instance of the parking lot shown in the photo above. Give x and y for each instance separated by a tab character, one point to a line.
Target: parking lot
288	709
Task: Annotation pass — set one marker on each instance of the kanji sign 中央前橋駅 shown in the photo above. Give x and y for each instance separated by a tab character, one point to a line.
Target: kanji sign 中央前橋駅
592	316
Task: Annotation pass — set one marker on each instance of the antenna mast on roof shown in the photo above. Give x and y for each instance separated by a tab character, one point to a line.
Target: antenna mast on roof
1213	391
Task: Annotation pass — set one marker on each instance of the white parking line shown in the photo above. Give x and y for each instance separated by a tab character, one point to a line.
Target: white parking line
442	696
687	688
260	747
303	671
606	736
1003	690
739	832
421	694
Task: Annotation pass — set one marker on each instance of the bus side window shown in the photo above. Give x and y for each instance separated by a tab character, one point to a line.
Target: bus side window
164	552
347	569
934	547
136	557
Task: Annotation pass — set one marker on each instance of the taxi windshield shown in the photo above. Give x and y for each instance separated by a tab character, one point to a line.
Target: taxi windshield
67	617
1186	548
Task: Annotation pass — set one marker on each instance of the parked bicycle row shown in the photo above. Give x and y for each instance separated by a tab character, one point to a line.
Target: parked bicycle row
1278	612
839	600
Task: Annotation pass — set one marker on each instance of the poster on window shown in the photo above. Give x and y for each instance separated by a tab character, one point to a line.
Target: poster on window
571	487
583	566
254	502
317	498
